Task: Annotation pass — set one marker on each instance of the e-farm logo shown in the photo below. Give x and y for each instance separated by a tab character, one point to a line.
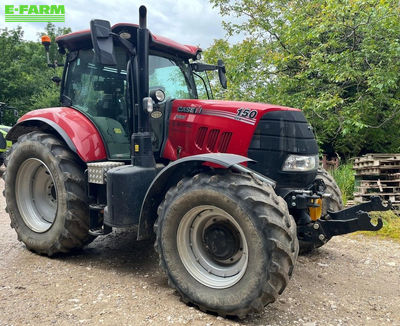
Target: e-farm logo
34	13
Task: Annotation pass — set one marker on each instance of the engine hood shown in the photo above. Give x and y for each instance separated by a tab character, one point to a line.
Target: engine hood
209	126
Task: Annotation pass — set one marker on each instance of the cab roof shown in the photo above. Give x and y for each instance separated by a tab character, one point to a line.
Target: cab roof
82	40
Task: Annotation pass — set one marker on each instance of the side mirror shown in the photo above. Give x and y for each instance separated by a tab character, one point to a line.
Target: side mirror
221	74
102	41
16	114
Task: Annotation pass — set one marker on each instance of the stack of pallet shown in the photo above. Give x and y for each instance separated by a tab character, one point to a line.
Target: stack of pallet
378	175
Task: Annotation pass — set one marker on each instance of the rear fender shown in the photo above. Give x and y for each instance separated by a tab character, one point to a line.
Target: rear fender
77	131
170	176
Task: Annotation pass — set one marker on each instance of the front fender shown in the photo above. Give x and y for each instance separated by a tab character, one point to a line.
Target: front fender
170	176
77	131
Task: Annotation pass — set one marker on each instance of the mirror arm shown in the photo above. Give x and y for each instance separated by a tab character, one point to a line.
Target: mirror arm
204	83
200	67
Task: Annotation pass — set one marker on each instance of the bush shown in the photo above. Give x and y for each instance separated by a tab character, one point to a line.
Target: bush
344	177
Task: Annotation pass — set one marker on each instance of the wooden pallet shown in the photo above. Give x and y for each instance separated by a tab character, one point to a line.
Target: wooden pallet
378	185
382	182
378	175
377	156
381	161
369	191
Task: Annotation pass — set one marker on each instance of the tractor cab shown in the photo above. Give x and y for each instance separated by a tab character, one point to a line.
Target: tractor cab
105	93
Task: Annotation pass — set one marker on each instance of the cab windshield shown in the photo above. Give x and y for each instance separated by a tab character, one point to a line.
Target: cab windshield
172	76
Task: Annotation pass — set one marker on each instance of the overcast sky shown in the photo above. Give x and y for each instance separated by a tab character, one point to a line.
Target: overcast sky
192	22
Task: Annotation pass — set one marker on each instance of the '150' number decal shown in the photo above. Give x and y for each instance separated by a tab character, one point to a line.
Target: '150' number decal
246	113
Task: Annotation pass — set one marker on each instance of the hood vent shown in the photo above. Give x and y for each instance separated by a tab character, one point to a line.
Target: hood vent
212	139
201	135
224	143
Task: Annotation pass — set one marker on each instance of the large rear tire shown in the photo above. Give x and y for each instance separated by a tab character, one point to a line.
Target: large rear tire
45	192
333	203
226	242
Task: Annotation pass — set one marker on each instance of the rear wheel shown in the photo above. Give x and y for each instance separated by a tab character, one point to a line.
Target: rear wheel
226	242
46	195
333	203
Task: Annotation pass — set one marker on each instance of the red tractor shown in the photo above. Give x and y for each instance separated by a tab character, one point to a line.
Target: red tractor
230	189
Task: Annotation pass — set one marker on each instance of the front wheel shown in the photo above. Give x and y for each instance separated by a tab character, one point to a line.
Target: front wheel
45	195
226	242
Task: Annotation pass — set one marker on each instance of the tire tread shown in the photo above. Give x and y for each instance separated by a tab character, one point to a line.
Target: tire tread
75	234
278	228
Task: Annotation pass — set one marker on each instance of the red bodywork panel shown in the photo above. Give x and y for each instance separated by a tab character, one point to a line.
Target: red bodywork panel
195	127
208	126
84	135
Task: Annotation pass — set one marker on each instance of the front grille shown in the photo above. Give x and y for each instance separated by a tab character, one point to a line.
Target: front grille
278	134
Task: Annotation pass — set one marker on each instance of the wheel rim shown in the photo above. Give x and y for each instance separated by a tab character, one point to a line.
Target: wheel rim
36	195
212	247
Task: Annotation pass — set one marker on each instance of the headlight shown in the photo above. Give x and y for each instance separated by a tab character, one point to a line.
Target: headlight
300	163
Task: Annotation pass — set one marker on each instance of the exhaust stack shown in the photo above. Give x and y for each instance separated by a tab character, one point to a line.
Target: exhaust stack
142	153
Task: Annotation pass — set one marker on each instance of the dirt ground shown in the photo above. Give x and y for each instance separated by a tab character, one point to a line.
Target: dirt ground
353	280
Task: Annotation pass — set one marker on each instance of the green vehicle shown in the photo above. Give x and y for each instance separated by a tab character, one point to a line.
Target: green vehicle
4	144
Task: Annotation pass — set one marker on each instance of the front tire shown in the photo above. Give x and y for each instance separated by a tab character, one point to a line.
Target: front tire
333	203
226	242
46	195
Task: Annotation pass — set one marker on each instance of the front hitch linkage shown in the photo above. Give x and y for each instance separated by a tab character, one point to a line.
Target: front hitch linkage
348	220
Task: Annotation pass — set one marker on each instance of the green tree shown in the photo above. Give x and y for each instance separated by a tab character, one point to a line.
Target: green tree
338	60
25	79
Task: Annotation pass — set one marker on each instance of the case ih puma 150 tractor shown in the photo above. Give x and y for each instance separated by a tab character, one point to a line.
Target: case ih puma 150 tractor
231	190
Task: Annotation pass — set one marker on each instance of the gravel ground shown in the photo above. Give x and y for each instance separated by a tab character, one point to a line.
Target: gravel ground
353	280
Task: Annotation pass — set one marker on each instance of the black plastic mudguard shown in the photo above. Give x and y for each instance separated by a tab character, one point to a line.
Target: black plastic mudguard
170	176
